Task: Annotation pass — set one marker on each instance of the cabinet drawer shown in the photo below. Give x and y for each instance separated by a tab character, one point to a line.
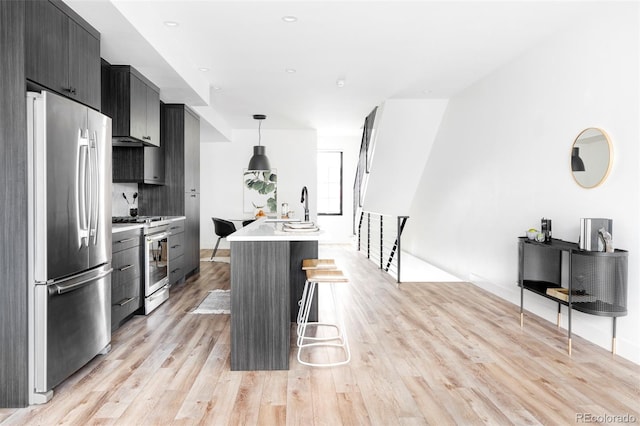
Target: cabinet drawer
176	246
126	239
176	269
125	300
176	227
126	265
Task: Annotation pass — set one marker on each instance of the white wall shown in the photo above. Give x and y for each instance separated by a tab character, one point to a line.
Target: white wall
120	206
292	152
501	161
403	136
339	229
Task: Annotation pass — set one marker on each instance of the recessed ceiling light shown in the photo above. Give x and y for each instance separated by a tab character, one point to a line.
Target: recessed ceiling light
289	18
171	23
216	88
291	70
340	82
203	69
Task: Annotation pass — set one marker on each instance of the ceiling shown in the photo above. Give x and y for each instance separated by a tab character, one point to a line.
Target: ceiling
379	49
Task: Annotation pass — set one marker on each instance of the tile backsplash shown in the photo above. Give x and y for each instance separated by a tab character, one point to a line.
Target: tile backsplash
119	206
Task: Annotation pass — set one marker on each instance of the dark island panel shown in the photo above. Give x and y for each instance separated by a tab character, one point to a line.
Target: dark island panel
260	305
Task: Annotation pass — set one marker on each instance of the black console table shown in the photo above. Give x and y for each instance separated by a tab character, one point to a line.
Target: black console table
596	282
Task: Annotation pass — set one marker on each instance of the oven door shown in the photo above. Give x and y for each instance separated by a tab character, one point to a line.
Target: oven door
156	262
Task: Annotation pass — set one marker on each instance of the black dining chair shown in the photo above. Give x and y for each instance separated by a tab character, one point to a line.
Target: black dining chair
247	222
223	228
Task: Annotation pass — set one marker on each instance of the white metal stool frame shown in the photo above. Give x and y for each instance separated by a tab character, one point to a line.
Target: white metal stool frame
307	265
314	277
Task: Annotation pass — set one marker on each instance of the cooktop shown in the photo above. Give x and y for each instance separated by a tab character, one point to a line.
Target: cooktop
135	219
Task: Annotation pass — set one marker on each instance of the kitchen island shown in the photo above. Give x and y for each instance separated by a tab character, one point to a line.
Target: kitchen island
266	284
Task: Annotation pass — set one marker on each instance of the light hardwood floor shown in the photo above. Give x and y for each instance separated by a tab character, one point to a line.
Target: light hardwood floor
423	353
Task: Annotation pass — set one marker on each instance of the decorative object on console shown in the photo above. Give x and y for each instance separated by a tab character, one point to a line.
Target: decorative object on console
259	161
608	240
591	238
545	226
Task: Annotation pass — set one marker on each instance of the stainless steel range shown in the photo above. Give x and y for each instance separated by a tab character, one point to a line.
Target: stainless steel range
156	264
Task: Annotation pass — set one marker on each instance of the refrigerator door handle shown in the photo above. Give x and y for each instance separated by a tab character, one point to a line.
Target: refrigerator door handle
81	189
62	288
95	187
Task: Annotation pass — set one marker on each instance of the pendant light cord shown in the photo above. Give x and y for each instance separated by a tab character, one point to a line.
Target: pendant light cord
259	134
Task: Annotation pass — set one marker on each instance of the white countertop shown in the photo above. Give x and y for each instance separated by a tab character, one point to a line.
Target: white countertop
121	227
271	230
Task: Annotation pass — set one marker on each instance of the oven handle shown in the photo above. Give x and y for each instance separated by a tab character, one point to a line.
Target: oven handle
157	237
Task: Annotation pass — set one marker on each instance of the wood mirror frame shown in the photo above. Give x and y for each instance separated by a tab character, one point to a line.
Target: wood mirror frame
591	157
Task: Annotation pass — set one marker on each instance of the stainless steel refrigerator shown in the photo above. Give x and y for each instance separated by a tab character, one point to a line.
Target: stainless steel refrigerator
69	171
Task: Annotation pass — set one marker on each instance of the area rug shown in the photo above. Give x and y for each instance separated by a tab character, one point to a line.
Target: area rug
216	259
216	302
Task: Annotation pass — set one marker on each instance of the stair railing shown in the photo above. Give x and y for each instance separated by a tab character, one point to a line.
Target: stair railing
380	238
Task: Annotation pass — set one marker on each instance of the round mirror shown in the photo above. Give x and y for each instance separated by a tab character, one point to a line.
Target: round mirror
591	157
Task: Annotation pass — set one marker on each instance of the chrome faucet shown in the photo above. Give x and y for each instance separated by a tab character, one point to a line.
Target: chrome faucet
305	199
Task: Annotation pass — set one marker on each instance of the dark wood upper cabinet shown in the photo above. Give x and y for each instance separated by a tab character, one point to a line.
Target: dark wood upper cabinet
134	106
62	52
180	194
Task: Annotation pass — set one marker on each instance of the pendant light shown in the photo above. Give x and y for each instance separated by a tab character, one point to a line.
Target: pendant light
259	161
577	165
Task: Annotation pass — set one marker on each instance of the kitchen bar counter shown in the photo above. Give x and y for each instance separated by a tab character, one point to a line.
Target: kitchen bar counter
266	284
272	230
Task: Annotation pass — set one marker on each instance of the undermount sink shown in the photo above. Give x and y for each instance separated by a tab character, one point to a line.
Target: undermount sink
300	227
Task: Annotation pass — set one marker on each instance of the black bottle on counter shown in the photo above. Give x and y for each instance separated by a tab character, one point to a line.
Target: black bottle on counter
545	227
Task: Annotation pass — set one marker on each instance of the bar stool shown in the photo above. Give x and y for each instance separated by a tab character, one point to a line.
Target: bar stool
308	264
339	339
311	264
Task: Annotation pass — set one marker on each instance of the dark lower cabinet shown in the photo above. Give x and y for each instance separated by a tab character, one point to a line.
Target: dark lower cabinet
126	280
192	231
176	251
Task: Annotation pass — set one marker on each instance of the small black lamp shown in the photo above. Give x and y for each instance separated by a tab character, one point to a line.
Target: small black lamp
259	161
577	165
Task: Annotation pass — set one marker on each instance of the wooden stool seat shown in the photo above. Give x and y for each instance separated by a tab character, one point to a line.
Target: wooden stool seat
310	264
322	275
326	276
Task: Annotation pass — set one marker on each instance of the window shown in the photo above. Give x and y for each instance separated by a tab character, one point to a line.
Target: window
330	183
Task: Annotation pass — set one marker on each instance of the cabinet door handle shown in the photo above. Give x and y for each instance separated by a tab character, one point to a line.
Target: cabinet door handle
147	138
194	196
124	268
125	301
193	190
175	270
176	246
125	241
